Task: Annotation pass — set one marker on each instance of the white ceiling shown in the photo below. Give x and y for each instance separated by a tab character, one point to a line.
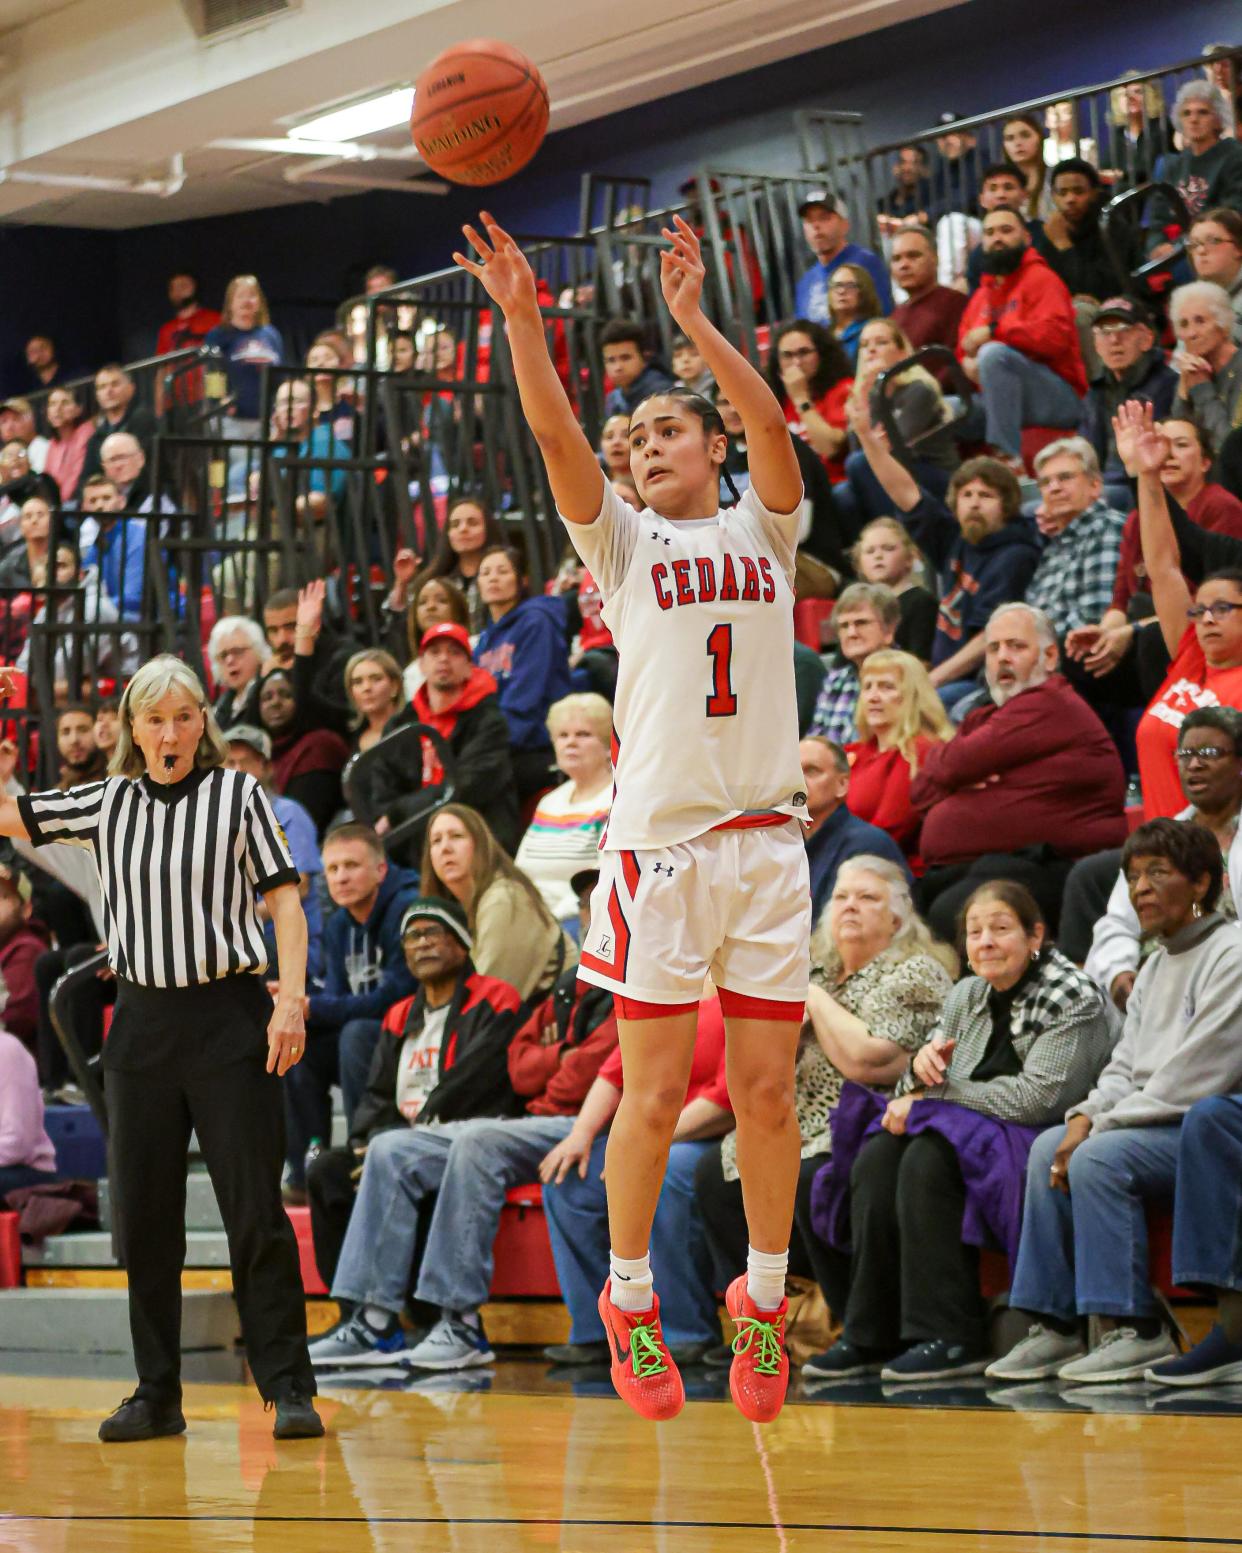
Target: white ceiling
116	88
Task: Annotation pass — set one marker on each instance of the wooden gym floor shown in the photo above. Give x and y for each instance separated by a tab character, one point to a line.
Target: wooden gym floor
505	1462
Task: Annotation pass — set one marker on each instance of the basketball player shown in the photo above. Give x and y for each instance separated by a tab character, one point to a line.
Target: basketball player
704	868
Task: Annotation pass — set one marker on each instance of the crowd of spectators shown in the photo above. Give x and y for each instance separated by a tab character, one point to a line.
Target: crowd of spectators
1036	566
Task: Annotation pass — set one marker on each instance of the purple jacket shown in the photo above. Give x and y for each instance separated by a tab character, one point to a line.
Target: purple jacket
992	1155
22	1138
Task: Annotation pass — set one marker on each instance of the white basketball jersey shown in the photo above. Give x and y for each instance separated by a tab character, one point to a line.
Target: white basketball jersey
705	714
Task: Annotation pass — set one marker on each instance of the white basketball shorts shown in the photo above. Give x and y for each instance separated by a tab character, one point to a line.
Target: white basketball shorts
735	903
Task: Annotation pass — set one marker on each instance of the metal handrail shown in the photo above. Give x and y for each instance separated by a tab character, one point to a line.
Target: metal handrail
80	1065
1144	192
932	358
429	799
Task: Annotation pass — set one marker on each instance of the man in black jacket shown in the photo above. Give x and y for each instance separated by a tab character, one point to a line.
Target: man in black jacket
459	701
1132	366
442	1059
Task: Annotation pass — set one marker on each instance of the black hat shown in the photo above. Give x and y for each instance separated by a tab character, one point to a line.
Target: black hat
449	914
824	197
580	880
1127	309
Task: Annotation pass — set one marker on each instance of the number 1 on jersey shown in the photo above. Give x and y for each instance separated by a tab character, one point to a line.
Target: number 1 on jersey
722	702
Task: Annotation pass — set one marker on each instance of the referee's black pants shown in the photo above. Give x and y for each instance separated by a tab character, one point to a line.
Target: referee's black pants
193	1059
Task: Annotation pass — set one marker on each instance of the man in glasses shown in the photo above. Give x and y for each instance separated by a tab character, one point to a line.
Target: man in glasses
826	228
1132	367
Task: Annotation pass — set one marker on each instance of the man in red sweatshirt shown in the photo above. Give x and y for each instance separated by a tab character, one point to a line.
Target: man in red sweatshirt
1031	782
1018	340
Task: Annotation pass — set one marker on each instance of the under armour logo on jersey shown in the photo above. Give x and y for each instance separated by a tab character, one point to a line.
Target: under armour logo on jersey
662	868
655	534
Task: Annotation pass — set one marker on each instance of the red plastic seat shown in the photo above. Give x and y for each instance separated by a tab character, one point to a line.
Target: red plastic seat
810	617
523	1253
10	1252
1036	438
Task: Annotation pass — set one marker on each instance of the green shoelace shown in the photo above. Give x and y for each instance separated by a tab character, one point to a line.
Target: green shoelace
768	1360
646	1357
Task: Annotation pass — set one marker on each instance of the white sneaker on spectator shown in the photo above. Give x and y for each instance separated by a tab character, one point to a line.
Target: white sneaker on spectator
1120	1355
1039	1355
450	1345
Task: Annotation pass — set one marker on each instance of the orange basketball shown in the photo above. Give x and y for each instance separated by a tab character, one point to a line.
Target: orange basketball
480	112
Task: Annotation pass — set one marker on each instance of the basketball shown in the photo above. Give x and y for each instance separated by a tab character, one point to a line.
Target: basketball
480	112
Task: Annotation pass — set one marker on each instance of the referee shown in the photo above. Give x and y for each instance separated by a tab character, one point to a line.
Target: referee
184	848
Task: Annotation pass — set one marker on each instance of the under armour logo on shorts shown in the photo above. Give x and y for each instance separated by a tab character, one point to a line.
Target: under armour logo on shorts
662	868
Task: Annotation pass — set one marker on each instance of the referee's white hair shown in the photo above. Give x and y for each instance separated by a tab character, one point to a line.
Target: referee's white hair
161	676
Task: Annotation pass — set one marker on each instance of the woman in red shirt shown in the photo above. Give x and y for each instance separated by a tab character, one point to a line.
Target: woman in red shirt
1204	639
900	717
811	376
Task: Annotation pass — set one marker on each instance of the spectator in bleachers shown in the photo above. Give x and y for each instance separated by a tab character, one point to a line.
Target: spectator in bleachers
1214	248
1140	134
1073	246
564	833
826	228
27	1156
1023	139
18	563
956	180
68	441
44	369
811	377
886	554
931	312
1002	187
1073	582
984	551
852	300
17	424
1209	765
190	323
307	761
909	198
458	699
432	602
630	366
81	759
107	724
835	833
332	408
364	975
689	372
1084	1225
1132	366
469	529
375	692
1030	783
1207	360
118	411
1016	1043
1063	142
577	1211
1019	340
865	620
113	547
304	434
523	647
440	1062
1127	641
1207	172
1203	640
249	343
515	936
236	651
614	447
250	750
927	446
23	938
125	464
899	719
108	652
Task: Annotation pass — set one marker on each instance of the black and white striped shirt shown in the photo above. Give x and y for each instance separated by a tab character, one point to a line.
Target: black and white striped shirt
181	868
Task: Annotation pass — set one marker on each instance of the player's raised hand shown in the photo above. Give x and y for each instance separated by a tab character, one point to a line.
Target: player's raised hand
501	267
682	273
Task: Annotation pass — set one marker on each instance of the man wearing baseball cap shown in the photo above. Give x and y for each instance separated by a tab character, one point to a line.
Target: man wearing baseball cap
1132	366
459	700
826	228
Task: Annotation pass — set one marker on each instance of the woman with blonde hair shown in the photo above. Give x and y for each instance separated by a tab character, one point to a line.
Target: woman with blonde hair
516	937
249	343
374	687
562	839
852	300
899	718
886	554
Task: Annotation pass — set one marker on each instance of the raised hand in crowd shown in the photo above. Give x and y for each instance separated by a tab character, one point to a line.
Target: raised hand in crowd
309	619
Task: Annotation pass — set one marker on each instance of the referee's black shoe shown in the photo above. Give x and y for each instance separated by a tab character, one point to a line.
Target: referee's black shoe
142	1418
296	1418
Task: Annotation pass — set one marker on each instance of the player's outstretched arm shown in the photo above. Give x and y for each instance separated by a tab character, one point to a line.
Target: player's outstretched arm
774	469
573	470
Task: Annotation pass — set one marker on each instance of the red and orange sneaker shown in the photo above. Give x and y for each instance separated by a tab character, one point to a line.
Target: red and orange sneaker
759	1374
643	1371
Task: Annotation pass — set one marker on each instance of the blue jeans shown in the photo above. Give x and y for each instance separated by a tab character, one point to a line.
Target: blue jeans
332	1057
1207	1218
1018	392
485	1158
956	690
577	1213
1086	1254
358	1041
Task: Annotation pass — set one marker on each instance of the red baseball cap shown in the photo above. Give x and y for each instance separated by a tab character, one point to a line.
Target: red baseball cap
446	631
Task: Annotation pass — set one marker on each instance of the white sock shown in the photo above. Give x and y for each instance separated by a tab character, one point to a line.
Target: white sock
765	1277
631	1282
377	1318
468	1318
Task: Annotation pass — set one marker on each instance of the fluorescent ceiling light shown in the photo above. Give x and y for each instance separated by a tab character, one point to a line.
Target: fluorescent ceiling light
367	117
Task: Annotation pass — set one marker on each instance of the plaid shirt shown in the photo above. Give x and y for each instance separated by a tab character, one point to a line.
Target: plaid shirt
1060	1029
834	706
1077	572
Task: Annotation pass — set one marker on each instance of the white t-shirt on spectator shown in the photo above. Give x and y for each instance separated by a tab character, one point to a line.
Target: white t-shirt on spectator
418	1071
561	840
